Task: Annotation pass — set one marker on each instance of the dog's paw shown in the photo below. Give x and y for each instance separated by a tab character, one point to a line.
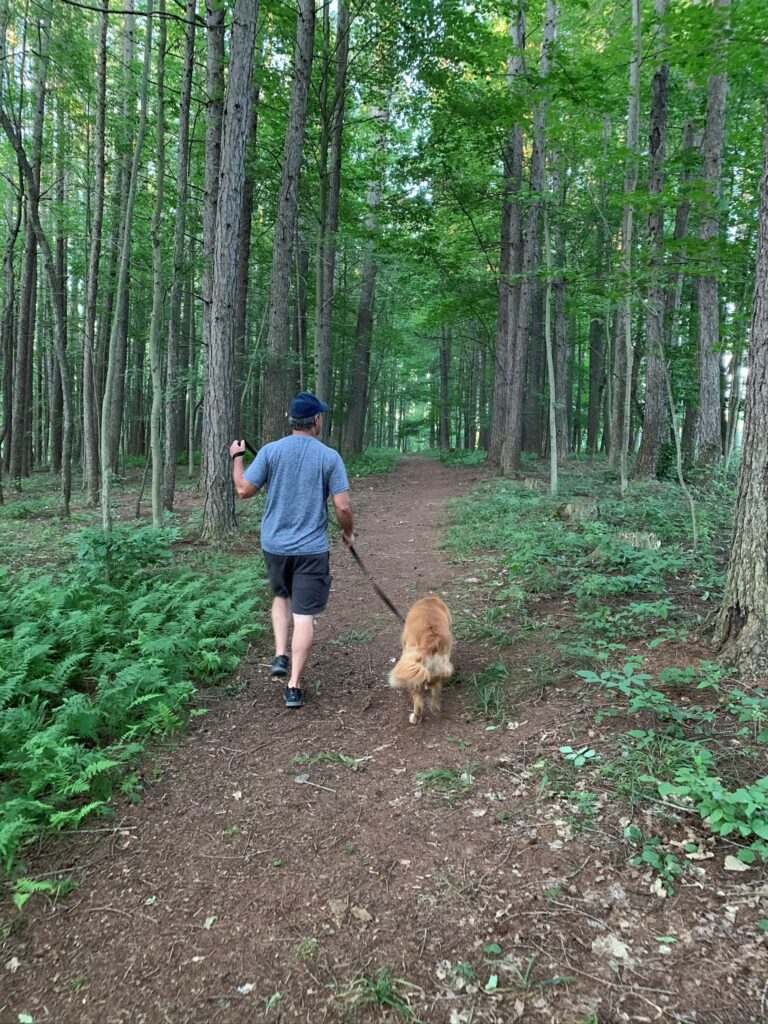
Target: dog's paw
414	719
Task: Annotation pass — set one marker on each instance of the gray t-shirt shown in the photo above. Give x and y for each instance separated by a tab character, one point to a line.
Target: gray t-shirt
300	473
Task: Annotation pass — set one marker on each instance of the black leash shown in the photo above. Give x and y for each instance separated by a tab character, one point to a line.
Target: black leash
374	584
359	561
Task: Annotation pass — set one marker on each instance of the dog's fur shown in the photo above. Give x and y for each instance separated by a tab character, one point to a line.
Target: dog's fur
425	663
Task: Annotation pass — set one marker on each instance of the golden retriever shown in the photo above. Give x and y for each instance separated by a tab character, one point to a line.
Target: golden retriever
425	663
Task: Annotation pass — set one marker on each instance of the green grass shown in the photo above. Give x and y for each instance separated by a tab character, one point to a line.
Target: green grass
384	991
451	782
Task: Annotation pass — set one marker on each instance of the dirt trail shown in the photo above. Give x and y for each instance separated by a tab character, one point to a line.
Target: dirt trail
233	893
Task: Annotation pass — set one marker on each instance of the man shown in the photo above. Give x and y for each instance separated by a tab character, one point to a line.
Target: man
300	474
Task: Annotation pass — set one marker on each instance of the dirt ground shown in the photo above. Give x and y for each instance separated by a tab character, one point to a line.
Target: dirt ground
234	892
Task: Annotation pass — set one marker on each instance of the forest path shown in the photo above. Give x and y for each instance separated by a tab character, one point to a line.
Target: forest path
232	893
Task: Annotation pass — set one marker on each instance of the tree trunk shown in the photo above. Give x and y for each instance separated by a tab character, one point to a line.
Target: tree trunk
326	271
214	115
243	267
355	425
278	373
13	224
562	383
301	274
55	401
219	400
444	399
533	422
155	348
554	441
108	432
90	391
18	464
172	386
741	630
655	414
624	352
118	338
512	446
708	437
510	255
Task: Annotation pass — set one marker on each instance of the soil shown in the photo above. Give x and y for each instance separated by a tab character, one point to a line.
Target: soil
235	892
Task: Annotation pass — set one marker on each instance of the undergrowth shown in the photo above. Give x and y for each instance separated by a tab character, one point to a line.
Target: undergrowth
372	462
96	660
687	740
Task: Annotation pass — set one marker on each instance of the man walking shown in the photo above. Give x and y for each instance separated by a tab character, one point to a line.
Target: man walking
300	473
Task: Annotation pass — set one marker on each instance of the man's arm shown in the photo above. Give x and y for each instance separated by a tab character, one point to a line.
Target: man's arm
344	516
244	488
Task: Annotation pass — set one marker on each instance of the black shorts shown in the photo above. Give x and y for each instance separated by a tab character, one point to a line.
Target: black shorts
305	579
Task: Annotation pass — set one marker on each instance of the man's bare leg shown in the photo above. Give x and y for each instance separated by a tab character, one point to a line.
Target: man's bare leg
281	624
303	634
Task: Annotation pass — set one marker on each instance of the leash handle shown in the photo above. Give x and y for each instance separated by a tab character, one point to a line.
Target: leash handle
249	447
374	584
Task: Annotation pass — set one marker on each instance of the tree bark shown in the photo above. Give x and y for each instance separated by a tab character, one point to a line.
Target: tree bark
655	413
624	351
356	413
90	391
219	399
444	419
155	349
510	254
118	339
562	382
243	267
512	446
278	373
214	115
709	447
741	630
177	281
114	360
326	269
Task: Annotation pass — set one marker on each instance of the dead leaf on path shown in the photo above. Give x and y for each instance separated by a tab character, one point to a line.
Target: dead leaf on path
734	864
361	914
338	909
610	946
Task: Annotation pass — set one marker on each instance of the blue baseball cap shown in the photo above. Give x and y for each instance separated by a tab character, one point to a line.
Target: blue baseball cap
305	405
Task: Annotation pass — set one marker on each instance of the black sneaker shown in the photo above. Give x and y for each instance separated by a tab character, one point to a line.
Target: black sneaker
293	697
279	668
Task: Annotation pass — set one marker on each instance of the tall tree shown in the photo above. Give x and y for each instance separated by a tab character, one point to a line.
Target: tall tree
512	447
177	280
741	630
218	403
90	412
329	215
278	372
214	116
709	445
655	415
621	410
109	412
156	323
358	397
510	256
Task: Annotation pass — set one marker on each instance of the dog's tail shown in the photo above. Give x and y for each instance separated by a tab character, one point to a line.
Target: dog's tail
408	672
